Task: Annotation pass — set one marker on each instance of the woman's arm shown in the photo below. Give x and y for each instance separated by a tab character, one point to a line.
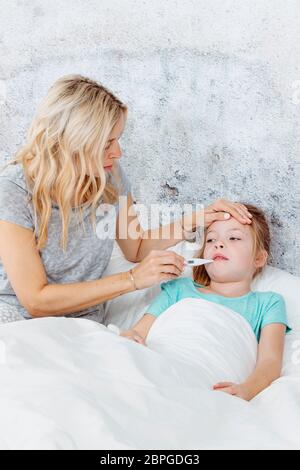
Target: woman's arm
26	273
141	329
268	365
25	270
136	243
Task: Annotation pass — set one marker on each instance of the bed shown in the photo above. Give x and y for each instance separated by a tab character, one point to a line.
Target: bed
69	383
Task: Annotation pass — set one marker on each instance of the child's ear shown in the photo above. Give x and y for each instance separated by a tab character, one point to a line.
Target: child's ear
261	259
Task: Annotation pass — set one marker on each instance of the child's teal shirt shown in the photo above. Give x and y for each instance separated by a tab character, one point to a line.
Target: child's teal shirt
258	308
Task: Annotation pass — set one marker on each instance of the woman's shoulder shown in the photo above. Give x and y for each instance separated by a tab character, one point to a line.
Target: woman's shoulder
13	173
14	200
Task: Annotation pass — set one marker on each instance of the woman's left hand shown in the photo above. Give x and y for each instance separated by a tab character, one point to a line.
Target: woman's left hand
218	210
238	390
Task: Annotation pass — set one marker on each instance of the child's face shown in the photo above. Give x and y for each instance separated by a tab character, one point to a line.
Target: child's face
233	241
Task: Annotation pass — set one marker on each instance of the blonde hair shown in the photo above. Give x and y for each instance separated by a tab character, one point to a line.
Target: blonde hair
67	136
261	238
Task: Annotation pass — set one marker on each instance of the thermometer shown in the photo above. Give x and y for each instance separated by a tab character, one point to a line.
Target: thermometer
197	261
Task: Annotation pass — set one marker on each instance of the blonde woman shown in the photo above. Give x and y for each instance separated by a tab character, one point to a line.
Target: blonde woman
52	254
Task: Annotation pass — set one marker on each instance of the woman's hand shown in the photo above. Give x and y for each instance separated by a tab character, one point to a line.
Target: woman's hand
239	390
158	266
218	210
133	336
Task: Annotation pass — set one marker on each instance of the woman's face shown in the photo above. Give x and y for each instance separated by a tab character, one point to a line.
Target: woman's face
112	149
230	244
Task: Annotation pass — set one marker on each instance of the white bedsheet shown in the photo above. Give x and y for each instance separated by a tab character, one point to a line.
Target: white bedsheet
73	384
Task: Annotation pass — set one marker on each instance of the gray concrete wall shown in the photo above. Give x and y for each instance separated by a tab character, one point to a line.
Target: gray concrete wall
212	88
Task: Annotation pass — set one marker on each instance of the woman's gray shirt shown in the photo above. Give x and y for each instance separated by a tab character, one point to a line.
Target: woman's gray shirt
88	252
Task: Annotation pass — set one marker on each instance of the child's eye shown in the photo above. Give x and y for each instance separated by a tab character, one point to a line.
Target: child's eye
209	240
234	238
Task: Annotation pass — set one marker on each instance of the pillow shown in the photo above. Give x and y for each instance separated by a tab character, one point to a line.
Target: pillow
125	310
286	284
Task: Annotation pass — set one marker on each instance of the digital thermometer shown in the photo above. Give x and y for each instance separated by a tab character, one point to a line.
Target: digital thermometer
198	261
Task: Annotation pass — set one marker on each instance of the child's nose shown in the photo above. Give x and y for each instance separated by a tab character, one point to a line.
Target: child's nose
219	245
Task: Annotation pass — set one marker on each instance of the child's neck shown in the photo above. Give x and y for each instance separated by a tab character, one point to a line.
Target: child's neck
230	289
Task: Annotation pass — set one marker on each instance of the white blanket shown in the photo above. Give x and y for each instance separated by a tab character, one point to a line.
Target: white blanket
215	341
73	384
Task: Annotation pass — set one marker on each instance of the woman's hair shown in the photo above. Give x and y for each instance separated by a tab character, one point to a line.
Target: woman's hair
261	237
66	139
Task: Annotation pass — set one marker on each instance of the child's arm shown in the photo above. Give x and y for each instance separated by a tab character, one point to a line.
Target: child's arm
140	330
268	365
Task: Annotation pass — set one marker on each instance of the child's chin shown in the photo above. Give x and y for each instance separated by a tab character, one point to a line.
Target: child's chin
217	269
220	275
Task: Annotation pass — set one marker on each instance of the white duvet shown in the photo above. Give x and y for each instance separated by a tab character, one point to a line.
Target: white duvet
74	384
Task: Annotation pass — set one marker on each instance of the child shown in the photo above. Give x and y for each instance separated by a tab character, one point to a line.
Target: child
239	252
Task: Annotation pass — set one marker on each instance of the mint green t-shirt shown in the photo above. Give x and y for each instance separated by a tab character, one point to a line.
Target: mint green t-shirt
258	308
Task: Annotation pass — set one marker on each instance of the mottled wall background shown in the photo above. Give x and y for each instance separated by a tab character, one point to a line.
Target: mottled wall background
213	89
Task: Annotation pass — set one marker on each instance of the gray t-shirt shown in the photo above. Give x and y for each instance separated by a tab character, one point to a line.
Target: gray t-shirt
88	252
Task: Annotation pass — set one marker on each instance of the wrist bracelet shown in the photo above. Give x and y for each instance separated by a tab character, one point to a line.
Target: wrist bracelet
132	278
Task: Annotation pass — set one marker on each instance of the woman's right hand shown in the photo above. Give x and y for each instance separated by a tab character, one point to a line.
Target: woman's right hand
158	266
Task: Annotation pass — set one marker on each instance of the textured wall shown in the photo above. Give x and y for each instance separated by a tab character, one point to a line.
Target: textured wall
211	86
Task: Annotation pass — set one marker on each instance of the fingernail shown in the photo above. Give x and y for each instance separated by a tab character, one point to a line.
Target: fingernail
226	215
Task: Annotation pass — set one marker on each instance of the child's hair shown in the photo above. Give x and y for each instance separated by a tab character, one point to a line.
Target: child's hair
261	236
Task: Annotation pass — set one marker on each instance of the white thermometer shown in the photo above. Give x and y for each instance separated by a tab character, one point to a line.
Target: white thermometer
198	261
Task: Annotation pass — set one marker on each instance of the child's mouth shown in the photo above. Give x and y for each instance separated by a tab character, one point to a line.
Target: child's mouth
220	258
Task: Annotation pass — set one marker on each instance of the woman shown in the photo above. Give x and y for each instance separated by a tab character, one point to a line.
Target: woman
52	259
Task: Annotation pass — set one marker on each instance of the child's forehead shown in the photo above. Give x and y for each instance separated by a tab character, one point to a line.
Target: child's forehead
226	225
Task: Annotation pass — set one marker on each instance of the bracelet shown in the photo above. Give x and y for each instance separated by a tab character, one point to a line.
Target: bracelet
132	278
